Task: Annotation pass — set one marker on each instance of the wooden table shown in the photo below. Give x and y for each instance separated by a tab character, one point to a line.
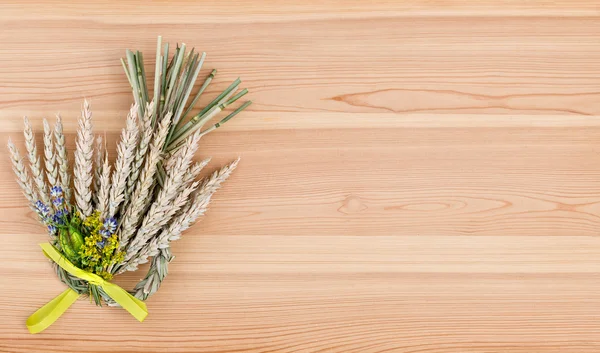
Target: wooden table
416	176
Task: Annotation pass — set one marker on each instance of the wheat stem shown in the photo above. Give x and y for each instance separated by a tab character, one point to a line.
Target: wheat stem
204	115
224	120
207	81
157	80
133	80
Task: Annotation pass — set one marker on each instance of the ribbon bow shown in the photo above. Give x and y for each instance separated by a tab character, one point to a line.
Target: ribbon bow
47	314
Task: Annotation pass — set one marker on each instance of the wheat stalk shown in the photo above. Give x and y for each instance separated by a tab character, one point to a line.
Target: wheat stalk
194	209
104	189
146	132
50	156
139	199
62	159
83	162
199	204
151	248
172	158
189	213
125	156
154	204
34	163
98	167
194	171
22	175
157	215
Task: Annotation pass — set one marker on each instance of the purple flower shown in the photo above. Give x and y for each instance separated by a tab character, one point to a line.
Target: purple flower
52	229
61	213
101	244
58	201
56	191
42	209
57	218
105	233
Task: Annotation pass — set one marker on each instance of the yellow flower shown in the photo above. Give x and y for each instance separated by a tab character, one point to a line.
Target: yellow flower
97	253
106	275
93	222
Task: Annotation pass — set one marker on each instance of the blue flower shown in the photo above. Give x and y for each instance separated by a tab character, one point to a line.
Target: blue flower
57	218
52	229
101	244
61	213
56	191
58	201
110	225
105	233
42	208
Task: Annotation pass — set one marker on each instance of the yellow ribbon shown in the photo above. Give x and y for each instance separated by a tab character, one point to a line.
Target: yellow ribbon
47	314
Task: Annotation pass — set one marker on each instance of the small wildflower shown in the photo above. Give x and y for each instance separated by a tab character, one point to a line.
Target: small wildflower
57	218
105	233
52	229
61	213
42	208
56	191
98	253
110	225
93	223
106	275
58	201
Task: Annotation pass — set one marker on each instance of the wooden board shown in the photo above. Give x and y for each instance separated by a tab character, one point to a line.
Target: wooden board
415	177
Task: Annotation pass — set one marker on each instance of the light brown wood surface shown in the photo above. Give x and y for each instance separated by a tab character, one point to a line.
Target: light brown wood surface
416	176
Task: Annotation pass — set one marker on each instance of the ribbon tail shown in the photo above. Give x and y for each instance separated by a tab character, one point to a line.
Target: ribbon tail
47	314
133	305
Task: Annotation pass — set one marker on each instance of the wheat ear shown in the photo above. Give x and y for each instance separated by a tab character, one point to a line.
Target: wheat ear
62	159
157	215
22	175
125	156
104	189
200	201
98	167
151	247
34	163
50	156
139	199
195	209
194	171
83	162
188	186
146	135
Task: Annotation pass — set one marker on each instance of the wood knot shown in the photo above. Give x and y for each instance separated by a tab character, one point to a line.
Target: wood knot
352	204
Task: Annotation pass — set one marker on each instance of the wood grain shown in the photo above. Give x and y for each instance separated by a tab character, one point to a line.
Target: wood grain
415	176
